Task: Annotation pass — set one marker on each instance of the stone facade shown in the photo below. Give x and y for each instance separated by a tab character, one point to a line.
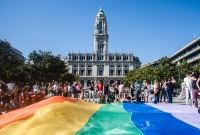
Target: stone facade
101	65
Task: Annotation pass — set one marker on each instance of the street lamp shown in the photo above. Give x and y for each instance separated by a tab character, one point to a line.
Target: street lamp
31	63
179	64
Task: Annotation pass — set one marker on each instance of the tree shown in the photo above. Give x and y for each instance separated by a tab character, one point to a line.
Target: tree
165	69
184	67
197	66
48	67
10	66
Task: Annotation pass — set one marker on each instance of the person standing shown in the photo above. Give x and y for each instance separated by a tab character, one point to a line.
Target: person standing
106	89
138	89
169	84
11	87
36	87
91	90
188	89
145	89
56	89
73	90
195	80
116	91
121	90
43	88
162	93
100	89
156	90
133	93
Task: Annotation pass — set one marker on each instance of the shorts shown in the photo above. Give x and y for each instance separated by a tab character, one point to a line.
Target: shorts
116	91
73	91
100	92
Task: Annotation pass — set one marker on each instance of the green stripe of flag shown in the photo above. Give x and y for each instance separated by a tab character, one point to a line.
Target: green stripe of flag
110	119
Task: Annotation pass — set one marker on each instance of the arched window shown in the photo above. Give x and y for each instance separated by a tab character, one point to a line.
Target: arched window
111	82
88	83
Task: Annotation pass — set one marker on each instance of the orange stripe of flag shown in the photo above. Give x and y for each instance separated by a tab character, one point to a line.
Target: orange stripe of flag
29	111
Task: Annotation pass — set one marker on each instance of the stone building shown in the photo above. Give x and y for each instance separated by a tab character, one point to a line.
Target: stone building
100	64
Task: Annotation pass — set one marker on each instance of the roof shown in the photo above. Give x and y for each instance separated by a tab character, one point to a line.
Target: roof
100	13
185	47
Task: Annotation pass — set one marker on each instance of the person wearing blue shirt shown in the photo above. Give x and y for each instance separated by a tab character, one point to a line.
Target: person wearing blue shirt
137	85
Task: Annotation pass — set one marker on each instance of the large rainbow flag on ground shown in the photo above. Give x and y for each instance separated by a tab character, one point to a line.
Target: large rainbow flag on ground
65	116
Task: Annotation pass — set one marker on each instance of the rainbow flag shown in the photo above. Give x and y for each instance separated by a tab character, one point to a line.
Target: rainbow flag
65	116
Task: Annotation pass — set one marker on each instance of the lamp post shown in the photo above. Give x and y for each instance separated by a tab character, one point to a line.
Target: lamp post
179	64
31	63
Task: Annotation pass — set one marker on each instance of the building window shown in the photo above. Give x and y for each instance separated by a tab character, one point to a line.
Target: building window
74	72
82	72
89	73
100	73
126	71
111	72
118	72
100	25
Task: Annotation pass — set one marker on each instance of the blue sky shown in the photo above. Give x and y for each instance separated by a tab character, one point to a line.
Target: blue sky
150	28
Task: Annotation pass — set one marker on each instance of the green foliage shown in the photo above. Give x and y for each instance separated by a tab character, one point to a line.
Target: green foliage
10	66
48	67
197	66
165	69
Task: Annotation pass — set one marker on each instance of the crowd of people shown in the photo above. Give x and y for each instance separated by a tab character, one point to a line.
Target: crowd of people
15	95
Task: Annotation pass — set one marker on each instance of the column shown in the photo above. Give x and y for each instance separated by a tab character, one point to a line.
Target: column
115	69
78	68
85	68
122	69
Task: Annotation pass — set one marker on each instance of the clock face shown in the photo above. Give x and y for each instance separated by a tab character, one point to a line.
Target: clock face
100	40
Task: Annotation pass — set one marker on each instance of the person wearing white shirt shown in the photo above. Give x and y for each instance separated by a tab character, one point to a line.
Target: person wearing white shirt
11	87
36	87
188	89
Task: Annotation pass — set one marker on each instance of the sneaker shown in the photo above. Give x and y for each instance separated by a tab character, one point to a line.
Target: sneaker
193	106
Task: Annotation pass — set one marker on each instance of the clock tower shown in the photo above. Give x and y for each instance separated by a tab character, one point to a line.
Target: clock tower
100	33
